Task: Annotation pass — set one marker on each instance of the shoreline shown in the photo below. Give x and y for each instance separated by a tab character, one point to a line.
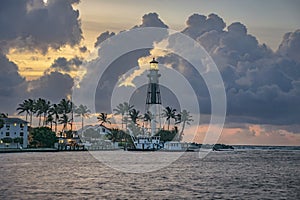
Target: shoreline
236	148
28	150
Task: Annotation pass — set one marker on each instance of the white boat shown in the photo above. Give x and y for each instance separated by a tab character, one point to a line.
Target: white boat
146	143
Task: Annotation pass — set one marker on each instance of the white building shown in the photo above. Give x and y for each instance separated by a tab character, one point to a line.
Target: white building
173	146
13	128
101	129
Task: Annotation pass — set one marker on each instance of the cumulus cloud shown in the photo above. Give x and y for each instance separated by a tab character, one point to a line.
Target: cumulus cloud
119	66
262	87
290	45
36	26
62	64
151	20
33	25
103	36
53	86
12	85
14	88
199	24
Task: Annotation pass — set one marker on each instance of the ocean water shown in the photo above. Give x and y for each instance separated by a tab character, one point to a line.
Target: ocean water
239	174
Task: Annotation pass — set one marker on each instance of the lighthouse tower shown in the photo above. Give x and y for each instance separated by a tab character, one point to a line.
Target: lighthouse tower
153	100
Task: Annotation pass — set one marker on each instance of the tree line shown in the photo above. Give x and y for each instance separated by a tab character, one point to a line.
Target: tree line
132	117
50	114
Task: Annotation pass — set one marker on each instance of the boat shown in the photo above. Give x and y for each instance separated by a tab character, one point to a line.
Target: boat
146	143
222	147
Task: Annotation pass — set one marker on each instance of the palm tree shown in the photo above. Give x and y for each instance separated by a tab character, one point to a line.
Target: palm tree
3	115
45	109
83	112
50	120
103	118
123	109
39	109
31	105
1	123
134	115
64	119
120	110
54	111
114	135
185	118
24	107
147	117
169	113
66	107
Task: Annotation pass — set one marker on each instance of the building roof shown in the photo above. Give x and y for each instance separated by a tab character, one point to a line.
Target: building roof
13	120
95	127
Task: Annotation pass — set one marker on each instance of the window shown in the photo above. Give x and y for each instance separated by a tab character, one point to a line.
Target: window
21	134
7	126
7	134
21	125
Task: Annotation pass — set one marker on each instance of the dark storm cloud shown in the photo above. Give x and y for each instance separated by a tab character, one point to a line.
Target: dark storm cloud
32	25
14	88
62	64
12	85
53	86
103	36
262	86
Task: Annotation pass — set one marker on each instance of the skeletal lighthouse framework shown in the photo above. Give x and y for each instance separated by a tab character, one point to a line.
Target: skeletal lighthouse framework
153	100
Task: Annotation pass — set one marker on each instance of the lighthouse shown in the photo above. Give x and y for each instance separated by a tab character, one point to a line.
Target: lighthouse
153	100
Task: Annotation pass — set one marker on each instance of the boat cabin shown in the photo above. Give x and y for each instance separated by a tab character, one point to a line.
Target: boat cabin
147	143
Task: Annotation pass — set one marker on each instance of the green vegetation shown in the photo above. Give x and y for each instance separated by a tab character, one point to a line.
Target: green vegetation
123	109
7	140
47	113
3	115
166	135
117	135
103	119
50	115
183	117
1	123
132	118
42	137
18	140
83	112
169	113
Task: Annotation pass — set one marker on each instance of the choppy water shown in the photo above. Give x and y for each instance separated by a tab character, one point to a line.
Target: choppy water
241	174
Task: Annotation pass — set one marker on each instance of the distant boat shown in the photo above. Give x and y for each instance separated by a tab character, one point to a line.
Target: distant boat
223	147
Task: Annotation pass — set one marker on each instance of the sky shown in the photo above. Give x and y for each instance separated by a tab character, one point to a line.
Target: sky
47	46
